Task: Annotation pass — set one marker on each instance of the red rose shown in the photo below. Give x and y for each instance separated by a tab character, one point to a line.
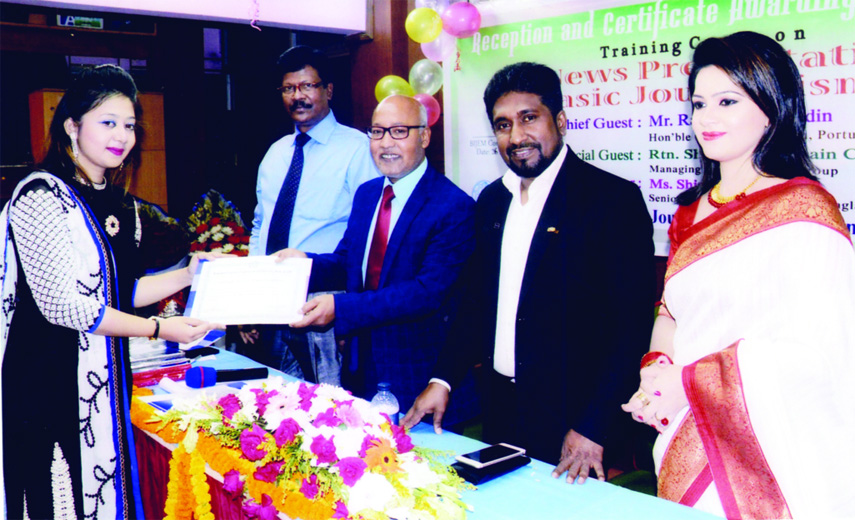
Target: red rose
201	228
244	239
215	221
234	239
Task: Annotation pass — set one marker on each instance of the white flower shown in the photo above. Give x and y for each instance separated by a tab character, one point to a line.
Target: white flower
418	474
203	237
111	225
228	230
216	229
320	404
227	248
218	237
371	492
348	442
279	408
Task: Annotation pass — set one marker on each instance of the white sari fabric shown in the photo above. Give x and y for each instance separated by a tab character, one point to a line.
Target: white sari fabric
786	294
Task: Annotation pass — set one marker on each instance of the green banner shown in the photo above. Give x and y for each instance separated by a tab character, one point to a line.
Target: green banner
624	73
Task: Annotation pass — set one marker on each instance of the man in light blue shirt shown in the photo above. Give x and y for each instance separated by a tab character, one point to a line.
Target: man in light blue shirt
334	161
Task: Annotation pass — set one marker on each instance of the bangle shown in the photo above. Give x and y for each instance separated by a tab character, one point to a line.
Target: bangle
156	328
653	357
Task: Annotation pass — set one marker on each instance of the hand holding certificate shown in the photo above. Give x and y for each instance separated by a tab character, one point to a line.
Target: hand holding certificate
252	289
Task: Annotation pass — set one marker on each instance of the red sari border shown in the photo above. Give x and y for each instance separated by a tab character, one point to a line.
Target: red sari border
797	200
685	472
745	482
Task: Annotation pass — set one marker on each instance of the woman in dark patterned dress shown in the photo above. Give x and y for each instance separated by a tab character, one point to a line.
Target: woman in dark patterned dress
69	265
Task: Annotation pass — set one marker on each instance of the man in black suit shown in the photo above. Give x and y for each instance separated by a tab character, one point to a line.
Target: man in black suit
559	290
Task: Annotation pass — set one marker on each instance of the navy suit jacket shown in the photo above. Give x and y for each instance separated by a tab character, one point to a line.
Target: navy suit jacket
398	329
585	309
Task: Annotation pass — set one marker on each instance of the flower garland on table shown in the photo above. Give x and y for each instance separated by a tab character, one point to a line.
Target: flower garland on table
313	452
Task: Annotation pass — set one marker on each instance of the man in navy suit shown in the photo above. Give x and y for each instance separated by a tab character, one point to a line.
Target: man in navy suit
558	305
407	239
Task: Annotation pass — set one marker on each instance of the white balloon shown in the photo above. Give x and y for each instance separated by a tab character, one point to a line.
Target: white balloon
437	5
440	48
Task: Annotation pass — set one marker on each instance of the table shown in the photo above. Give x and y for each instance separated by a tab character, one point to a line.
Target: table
526	493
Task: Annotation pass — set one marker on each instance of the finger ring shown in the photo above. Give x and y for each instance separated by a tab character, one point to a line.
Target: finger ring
643	398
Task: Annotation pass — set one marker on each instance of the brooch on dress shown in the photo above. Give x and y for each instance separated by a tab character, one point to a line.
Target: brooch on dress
111	225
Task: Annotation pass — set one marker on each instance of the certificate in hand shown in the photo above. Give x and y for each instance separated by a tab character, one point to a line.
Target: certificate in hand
250	290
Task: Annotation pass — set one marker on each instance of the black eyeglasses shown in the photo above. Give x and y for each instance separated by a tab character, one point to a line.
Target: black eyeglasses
305	88
397	132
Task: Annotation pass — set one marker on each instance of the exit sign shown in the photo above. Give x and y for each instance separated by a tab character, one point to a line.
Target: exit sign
80	22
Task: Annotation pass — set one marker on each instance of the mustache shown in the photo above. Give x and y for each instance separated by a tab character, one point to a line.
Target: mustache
514	147
300	104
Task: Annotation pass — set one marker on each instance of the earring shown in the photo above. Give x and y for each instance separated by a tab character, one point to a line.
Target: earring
75	150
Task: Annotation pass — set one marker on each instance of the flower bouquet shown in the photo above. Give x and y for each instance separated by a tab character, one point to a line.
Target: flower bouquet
215	225
309	451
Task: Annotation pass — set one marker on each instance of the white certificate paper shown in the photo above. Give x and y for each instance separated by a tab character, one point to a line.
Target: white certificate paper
250	290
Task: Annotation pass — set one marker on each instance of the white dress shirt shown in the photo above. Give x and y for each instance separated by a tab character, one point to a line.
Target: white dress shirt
519	229
402	188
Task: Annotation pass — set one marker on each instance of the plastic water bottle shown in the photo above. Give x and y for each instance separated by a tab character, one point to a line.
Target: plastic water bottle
386	402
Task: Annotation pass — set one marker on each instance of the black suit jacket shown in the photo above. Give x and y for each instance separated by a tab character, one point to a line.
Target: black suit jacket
585	311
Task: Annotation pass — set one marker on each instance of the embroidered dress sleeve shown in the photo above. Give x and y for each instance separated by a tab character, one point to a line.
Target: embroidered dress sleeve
40	223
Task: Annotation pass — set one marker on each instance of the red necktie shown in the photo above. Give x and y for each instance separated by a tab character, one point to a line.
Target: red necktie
379	240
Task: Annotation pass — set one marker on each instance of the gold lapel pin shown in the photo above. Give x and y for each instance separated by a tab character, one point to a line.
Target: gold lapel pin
552	229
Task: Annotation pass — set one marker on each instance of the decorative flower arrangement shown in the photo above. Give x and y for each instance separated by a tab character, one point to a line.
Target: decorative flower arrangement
313	452
215	225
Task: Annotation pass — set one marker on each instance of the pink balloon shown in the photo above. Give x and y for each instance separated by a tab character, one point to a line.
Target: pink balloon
461	20
440	48
431	105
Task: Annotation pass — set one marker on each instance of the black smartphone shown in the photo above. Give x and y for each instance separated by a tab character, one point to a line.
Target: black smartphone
490	455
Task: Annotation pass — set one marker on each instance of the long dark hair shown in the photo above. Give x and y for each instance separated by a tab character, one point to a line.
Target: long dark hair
764	70
89	89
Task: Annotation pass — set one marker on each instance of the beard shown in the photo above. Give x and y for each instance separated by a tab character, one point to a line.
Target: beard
528	169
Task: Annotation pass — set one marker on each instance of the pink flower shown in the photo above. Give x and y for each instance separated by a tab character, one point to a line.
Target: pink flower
262	399
403	441
286	432
327	418
265	511
324	449
269	471
230	405
306	393
351	470
341	510
309	489
232	483
349	415
367	442
251	441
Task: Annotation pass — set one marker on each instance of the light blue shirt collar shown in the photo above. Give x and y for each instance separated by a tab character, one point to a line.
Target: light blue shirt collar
322	131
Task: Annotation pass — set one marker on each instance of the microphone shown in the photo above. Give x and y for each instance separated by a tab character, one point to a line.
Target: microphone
201	377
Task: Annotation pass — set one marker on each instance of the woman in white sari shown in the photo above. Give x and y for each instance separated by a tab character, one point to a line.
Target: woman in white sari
749	378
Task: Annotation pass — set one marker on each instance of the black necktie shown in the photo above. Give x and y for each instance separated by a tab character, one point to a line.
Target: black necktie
280	223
